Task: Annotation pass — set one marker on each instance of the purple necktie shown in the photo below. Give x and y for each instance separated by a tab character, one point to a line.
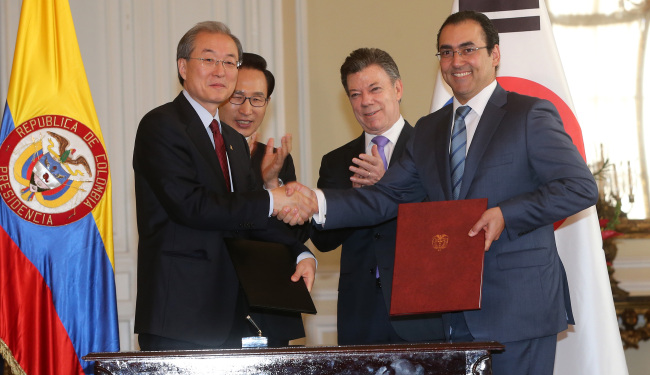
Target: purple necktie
381	141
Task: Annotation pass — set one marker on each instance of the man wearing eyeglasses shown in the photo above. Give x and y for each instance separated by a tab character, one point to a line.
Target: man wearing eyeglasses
511	149
244	112
194	187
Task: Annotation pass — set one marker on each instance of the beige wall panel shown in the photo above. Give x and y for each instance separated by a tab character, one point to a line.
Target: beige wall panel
406	30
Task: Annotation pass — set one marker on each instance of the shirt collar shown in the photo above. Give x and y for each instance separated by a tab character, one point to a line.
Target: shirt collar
204	115
479	101
392	134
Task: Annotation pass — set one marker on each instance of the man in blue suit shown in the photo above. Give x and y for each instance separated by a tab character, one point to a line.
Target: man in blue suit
518	156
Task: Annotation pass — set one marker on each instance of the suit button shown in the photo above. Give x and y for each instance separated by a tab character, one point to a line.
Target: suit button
377	236
372	271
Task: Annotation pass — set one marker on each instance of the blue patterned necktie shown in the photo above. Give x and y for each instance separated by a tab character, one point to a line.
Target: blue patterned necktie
381	142
457	150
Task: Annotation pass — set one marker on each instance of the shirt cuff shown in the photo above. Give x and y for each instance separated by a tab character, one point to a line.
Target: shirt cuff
319	217
270	203
306	255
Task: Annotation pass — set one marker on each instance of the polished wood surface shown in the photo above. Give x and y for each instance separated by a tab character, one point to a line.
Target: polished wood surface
435	358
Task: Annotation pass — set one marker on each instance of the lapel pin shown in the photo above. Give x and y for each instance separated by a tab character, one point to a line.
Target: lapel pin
230	147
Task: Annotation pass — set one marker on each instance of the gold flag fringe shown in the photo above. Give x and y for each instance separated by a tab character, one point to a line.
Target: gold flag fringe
9	359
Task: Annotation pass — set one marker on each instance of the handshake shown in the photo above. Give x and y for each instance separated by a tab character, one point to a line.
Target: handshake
294	203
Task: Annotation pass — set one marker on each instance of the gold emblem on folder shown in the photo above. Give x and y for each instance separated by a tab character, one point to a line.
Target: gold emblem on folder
440	241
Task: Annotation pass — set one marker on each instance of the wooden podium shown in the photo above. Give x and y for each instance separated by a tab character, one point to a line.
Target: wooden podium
431	359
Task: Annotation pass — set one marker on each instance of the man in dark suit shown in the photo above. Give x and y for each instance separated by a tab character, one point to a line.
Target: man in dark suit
373	84
244	112
194	187
518	156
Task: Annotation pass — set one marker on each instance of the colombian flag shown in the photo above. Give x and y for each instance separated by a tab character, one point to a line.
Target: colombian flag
57	284
530	65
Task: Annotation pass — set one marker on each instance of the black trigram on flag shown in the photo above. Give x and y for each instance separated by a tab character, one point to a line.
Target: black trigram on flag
505	25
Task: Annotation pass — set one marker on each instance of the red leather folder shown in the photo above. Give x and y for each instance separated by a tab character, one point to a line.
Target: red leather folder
438	266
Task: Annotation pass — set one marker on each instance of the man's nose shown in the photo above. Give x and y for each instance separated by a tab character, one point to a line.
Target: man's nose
366	98
246	108
457	59
219	70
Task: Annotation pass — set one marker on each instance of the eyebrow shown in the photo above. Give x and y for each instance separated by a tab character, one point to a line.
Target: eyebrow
254	93
212	51
371	85
464	44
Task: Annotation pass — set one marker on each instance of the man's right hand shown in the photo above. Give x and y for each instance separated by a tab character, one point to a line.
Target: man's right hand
294	203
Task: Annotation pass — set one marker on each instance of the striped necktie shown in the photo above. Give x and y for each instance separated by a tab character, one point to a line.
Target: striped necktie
457	150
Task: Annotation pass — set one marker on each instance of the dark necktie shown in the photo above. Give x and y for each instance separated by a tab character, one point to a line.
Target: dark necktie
381	142
457	150
220	148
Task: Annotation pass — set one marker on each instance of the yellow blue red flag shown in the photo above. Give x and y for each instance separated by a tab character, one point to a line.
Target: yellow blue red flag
56	248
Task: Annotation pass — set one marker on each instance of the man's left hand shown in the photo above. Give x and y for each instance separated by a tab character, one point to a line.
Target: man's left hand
368	169
492	223
273	161
306	269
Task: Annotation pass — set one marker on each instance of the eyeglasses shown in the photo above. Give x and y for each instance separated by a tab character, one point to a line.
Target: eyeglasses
256	101
211	63
448	54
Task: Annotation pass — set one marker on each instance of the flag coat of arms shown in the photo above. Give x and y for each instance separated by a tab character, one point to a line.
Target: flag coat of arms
56	247
530	65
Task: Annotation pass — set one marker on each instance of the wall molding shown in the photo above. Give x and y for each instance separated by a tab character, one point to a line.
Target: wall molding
304	98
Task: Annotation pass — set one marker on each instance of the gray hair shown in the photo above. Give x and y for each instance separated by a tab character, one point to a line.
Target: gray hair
186	44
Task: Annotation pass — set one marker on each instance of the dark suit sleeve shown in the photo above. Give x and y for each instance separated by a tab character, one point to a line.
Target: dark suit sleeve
566	184
372	205
176	172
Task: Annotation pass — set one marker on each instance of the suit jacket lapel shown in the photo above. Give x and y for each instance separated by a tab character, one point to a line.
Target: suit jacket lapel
487	127
238	157
400	145
440	139
198	134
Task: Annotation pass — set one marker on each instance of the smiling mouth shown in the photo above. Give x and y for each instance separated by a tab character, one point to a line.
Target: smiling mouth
243	123
463	74
371	113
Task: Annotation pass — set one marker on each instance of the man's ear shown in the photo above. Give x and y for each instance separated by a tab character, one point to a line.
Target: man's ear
182	67
496	55
399	89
